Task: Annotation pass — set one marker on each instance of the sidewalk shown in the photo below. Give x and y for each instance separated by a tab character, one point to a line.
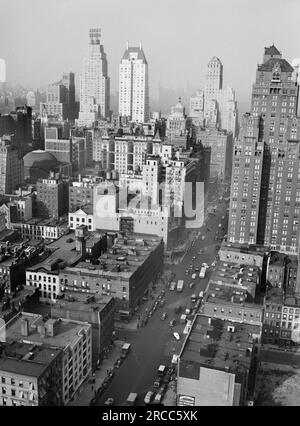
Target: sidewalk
87	390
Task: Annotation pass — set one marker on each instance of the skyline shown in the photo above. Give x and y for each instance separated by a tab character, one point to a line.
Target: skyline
165	69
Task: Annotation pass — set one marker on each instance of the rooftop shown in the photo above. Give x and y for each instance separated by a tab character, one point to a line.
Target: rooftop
66	332
63	250
270	64
77	301
217	344
123	259
244	248
240	276
26	359
275	295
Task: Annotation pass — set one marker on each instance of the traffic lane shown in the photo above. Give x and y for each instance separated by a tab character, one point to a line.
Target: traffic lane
151	346
154	344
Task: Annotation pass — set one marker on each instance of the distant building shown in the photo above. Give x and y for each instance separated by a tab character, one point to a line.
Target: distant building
11	167
60	102
133	85
50	197
38	164
221	144
94	83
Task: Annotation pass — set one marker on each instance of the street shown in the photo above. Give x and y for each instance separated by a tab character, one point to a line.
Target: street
154	344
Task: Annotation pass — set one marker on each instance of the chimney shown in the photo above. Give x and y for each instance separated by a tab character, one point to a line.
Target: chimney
25	327
42	331
209	321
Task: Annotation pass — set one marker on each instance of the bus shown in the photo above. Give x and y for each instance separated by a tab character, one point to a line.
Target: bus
180	285
202	272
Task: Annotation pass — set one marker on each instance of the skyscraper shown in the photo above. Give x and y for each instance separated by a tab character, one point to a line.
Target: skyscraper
275	185
133	85
219	103
94	82
213	79
11	167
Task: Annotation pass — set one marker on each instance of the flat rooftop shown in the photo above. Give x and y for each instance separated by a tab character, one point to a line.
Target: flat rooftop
123	259
77	301
46	222
244	248
26	359
211	344
232	274
67	331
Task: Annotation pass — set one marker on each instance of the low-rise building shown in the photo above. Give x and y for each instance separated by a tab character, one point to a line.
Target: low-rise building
214	363
82	216
73	338
275	275
247	254
96	310
124	272
230	303
39	229
273	303
30	374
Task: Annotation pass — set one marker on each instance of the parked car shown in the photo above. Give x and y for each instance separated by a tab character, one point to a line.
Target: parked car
164	316
148	397
157	383
192	284
176	336
158	398
172	323
118	363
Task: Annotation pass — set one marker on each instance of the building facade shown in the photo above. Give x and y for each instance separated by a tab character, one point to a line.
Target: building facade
133	85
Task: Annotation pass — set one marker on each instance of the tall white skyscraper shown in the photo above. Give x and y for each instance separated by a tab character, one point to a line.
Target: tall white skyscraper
219	103
133	85
94	82
213	80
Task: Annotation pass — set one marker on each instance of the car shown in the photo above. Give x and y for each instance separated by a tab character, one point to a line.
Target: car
148	397
172	323
197	269
176	336
203	237
162	302
186	272
220	225
201	251
209	229
204	265
223	217
144	299
191	285
118	363
157	383
158	398
194	258
164	316
172	286
109	401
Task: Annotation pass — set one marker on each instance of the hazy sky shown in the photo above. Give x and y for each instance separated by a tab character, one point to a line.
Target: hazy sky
39	39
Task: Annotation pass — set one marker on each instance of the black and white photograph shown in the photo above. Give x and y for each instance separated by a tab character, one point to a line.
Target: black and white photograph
149	206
